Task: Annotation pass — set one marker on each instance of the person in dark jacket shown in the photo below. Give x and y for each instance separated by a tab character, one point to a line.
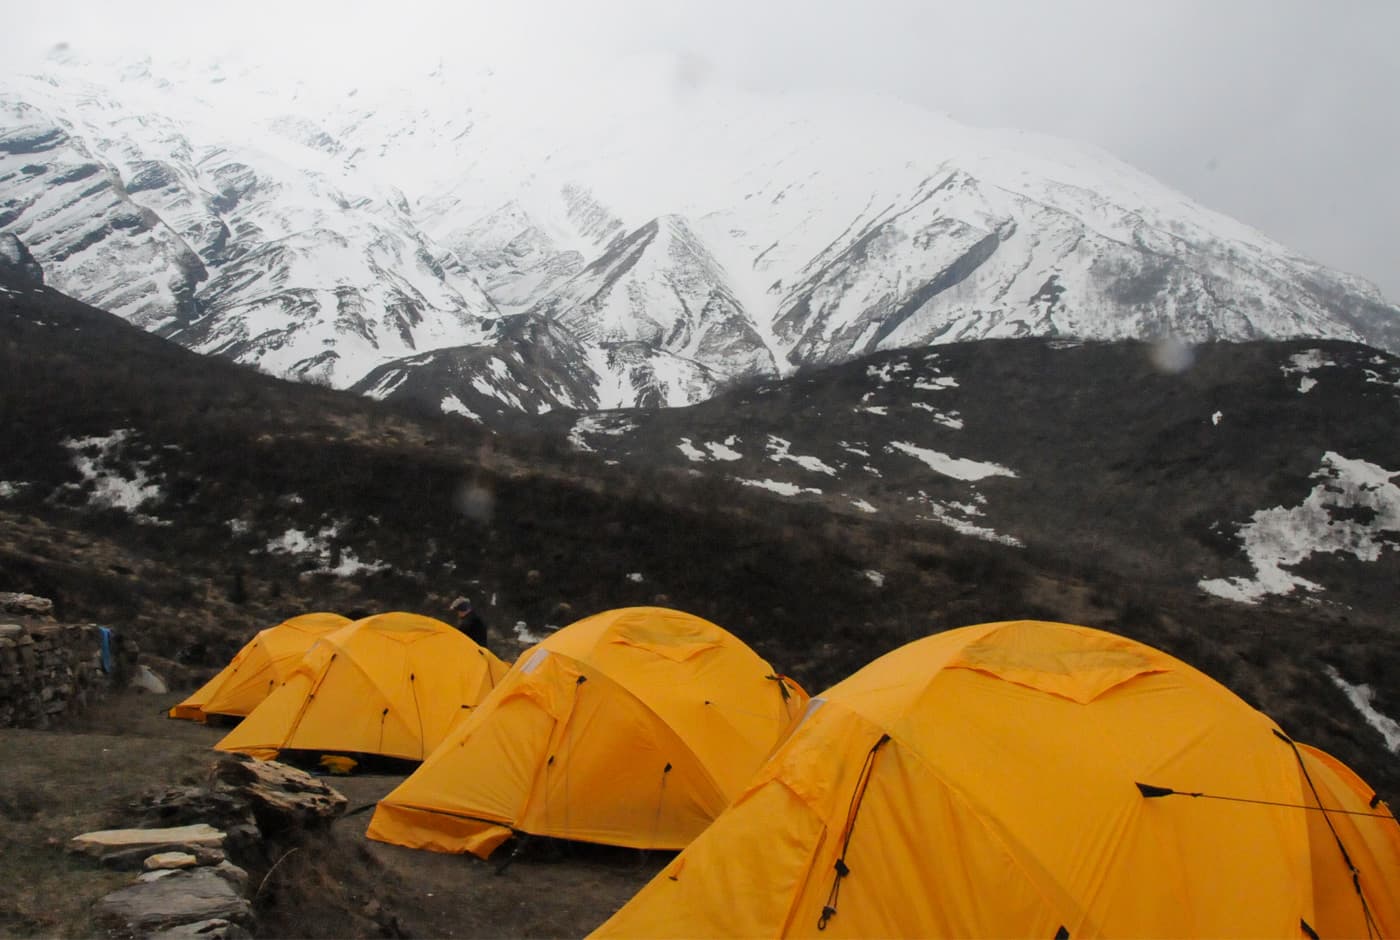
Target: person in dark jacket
470	622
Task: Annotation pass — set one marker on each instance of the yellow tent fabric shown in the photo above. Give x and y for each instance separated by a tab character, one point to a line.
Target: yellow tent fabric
258	668
392	684
984	782
633	727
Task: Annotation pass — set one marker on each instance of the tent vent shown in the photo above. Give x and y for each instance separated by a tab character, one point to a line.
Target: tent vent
1062	933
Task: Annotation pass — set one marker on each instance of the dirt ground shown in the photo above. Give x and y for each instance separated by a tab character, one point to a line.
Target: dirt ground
58	783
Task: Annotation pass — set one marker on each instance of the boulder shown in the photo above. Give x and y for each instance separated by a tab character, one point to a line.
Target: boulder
185	897
281	796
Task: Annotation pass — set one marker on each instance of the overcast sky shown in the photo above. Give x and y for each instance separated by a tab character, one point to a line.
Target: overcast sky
1283	114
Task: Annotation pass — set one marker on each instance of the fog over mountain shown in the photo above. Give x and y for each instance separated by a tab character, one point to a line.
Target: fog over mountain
1277	112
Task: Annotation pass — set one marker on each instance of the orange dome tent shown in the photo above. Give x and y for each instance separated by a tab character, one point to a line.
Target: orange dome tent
633	727
391	684
1030	779
258	668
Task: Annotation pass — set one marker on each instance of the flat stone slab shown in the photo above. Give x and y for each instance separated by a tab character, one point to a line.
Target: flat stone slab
185	897
155	875
170	860
106	842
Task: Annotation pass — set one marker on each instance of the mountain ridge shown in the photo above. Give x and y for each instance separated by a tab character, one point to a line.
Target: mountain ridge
323	235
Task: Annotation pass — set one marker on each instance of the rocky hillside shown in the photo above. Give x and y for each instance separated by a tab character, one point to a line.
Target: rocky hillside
191	502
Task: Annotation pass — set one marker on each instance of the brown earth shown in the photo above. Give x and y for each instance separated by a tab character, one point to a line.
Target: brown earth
86	775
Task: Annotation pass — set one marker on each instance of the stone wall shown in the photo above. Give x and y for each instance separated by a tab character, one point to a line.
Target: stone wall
48	670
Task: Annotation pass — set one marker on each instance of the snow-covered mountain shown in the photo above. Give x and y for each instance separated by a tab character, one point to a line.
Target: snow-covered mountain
664	237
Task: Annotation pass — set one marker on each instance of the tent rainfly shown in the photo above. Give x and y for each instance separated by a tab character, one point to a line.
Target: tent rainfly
633	727
1029	779
258	668
392	684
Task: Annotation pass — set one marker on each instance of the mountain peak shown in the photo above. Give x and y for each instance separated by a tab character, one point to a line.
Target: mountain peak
661	214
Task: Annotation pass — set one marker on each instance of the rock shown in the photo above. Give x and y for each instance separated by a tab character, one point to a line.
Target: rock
189	804
10	631
147	681
215	929
231	873
281	796
170	860
25	605
105	842
209	856
184	897
156	875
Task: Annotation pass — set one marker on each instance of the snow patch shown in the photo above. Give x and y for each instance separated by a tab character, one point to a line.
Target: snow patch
8	489
779	450
1304	363
937	383
725	450
453	405
1375	378
636	577
958	468
874	577
597	424
875	409
527	636
782	489
960	518
1215	418
1279	537
386	385
886	372
1360	696
114	487
947	419
863	506
692	453
320	546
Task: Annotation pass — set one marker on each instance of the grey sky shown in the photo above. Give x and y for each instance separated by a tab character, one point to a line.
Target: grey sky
1283	114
